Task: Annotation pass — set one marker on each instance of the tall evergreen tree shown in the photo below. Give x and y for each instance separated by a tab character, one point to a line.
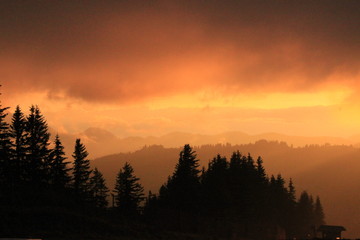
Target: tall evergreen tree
182	189
19	150
5	152
235	162
4	134
261	170
290	211
81	169
98	189
292	192
319	216
37	147
305	215
214	189
59	172
128	191
278	199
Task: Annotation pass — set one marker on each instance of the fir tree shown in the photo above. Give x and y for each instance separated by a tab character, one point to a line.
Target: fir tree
218	165
290	211
305	213
37	142
291	192
59	176
5	152
278	199
182	189
235	161
81	169
19	150
214	186
319	215
98	189
261	170
4	135
187	167
128	191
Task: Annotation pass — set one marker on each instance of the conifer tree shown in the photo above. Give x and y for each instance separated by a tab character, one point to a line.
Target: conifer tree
151	207
235	161
187	167
5	152
214	186
81	169
278	199
290	211
259	189
37	142
218	165
128	191
98	189
182	189
291	192
18	137
260	170
319	216
236	183
4	135
59	172
305	210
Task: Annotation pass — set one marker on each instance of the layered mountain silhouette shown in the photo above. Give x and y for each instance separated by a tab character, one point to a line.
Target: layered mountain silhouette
100	142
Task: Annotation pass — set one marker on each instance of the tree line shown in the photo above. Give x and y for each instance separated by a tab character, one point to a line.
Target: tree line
233	198
229	198
29	167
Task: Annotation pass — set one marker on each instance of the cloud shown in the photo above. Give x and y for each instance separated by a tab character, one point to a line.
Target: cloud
114	51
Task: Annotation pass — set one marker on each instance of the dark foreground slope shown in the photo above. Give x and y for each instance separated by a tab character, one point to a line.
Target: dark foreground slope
74	224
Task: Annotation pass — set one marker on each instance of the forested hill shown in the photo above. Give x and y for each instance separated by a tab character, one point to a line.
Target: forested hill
100	142
331	171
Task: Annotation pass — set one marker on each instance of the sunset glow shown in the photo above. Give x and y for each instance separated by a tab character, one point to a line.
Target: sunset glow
186	100
128	68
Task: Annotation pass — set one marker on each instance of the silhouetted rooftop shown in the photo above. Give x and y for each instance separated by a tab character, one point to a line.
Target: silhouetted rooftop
327	228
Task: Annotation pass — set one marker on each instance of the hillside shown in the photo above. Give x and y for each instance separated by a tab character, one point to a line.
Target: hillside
330	171
100	142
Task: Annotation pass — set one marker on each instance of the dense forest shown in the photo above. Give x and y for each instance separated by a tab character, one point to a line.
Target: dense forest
45	194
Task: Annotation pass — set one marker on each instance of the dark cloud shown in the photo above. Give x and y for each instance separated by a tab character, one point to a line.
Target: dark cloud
131	50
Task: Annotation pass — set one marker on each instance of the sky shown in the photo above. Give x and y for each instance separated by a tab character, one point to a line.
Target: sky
148	68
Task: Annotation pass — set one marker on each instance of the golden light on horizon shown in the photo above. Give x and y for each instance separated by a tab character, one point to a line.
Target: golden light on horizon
138	70
257	100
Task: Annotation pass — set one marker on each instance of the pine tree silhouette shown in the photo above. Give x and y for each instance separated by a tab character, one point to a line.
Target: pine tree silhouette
18	135
215	194
261	170
37	142
128	191
5	155
59	172
305	215
81	170
98	189
183	187
319	216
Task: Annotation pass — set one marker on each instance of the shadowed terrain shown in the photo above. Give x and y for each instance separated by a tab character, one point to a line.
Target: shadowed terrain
331	171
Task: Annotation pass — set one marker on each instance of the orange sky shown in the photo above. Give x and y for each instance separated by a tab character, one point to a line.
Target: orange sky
154	67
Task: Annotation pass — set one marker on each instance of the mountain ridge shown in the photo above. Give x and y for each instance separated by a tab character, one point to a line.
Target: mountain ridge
100	142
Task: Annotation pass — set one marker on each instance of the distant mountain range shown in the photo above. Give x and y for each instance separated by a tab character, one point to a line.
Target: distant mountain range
330	171
100	142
